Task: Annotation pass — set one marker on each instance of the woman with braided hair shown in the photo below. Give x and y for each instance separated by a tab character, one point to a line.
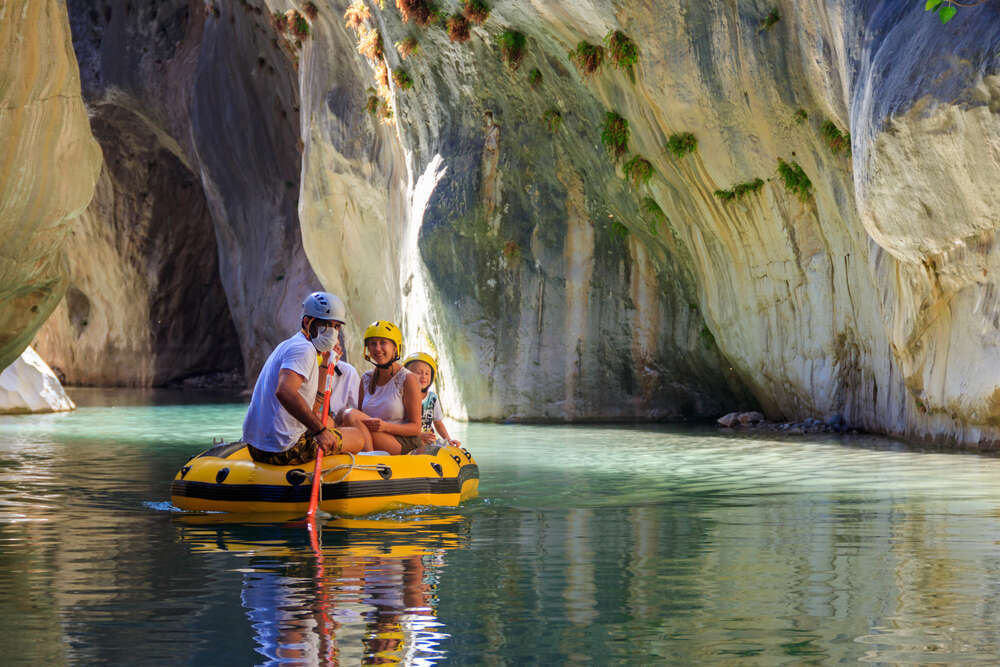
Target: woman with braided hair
389	396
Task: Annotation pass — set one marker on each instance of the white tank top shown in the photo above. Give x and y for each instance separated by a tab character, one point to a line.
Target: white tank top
387	401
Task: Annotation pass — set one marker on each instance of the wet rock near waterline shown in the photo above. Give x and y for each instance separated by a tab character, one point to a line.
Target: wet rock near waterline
756	421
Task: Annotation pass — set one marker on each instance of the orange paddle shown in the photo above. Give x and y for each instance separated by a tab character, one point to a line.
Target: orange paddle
317	482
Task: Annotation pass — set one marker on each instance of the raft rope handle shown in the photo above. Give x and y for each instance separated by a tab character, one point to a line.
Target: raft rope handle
353	465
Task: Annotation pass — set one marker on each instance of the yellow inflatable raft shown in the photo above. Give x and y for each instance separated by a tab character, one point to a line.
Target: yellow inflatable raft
225	479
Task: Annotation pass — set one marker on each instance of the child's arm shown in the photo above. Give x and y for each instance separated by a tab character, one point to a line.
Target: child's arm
443	432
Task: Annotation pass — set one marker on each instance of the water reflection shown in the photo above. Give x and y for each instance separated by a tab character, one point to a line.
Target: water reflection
369	596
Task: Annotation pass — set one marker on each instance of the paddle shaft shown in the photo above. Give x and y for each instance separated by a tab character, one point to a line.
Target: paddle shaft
317	477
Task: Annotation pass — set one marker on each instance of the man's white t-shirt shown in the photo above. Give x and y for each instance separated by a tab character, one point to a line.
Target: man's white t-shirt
344	393
268	425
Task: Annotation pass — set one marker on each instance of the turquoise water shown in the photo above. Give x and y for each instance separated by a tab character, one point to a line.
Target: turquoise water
588	545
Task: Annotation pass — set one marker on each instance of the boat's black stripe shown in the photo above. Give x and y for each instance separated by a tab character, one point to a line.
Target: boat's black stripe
335	491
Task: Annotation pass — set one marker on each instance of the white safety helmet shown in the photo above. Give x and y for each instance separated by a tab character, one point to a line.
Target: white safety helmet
324	306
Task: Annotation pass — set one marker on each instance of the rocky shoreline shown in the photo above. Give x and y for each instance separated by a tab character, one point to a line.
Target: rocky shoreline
756	421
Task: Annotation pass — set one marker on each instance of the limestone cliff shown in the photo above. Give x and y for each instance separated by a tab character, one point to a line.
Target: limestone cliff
800	216
44	128
857	278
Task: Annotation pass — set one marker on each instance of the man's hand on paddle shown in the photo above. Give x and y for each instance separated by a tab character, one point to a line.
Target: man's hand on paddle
326	440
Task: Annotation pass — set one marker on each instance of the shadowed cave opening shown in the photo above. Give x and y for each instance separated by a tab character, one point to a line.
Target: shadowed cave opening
152	212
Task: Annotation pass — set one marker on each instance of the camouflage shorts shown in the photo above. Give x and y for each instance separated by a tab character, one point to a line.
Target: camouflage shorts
300	453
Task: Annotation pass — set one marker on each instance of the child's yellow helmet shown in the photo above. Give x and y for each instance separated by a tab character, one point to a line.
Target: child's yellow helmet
384	329
427	359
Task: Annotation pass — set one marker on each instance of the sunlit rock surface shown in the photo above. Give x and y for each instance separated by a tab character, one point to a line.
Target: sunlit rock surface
48	165
872	297
550	286
29	385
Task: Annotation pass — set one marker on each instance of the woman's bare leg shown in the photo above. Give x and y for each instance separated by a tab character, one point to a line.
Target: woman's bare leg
353	439
386	443
354	419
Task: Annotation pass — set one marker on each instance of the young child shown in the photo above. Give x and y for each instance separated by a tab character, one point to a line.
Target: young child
425	368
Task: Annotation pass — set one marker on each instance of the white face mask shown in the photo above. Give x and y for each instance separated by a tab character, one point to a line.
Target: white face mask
325	339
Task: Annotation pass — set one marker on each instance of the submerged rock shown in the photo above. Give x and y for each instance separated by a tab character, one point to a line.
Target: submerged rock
29	385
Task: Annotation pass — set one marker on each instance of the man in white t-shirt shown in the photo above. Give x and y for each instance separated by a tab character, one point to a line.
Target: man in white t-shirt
344	393
283	426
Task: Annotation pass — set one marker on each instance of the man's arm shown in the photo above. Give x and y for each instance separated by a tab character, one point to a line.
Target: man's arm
288	395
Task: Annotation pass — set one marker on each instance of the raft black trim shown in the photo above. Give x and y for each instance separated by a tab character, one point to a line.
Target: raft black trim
335	491
225	450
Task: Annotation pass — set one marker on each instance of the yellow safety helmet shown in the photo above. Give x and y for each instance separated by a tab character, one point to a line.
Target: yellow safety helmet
383	329
427	359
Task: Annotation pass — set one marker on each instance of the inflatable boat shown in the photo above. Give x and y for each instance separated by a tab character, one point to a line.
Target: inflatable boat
225	479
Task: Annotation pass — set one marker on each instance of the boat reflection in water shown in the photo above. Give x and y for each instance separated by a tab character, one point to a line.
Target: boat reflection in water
367	596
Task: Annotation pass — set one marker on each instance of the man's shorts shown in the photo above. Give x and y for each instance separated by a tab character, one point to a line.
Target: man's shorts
300	453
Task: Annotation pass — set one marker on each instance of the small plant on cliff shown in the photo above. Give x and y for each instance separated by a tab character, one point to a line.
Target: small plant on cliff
639	170
535	78
795	179
740	190
512	45
402	79
587	57
618	230
945	9
382	79
417	10
459	29
707	339
297	24
408	47
614	135
371	106
650	206
357	13
681	144
278	22
800	116
388	118
476	11
512	252
370	44
311	10
622	52
438	18
553	118
838	141
769	20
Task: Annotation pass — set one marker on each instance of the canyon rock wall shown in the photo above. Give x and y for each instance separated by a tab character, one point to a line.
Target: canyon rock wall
553	287
202	268
44	127
826	244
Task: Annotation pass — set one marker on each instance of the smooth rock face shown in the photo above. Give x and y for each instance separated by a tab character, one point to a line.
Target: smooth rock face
145	305
195	217
29	385
48	165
